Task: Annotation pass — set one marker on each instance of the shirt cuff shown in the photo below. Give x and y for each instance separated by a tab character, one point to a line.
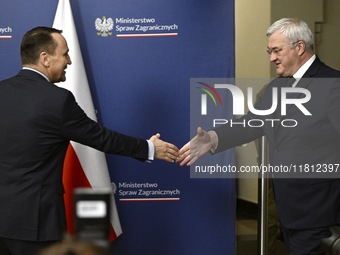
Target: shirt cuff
151	154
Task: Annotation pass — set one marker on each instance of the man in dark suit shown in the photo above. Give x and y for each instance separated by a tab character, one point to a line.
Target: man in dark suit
38	120
307	205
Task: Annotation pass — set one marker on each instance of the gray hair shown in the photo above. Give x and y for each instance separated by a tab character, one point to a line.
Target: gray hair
294	30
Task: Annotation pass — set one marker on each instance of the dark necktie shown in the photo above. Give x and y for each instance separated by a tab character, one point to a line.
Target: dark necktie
290	81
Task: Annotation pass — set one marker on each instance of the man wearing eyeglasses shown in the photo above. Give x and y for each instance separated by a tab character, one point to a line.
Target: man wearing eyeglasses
309	203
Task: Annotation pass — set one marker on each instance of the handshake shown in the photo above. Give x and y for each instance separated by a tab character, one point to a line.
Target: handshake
190	152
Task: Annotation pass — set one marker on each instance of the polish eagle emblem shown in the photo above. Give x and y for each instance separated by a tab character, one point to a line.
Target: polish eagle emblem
104	26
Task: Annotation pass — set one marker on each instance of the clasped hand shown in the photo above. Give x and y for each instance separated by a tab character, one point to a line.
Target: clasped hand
196	147
164	150
189	153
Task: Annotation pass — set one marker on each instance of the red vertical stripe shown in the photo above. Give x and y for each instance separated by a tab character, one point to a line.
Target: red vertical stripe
74	177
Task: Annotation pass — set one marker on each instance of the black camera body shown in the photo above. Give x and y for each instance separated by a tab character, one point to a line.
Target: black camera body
92	215
332	244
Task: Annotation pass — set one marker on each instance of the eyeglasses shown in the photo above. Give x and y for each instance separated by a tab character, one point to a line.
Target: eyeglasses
277	52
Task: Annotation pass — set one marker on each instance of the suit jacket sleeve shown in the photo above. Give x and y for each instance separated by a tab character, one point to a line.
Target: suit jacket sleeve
242	131
238	134
334	105
78	127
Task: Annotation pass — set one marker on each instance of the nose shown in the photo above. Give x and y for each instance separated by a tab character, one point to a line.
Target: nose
272	57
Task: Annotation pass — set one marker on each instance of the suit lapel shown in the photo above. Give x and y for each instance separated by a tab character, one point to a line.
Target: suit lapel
304	82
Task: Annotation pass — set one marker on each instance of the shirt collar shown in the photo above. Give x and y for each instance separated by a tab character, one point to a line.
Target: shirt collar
299	74
34	70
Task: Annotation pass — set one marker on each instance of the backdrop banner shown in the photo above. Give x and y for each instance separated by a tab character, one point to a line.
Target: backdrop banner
140	57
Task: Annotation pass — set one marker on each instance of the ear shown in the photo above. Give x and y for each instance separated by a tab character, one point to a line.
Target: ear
301	47
44	59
